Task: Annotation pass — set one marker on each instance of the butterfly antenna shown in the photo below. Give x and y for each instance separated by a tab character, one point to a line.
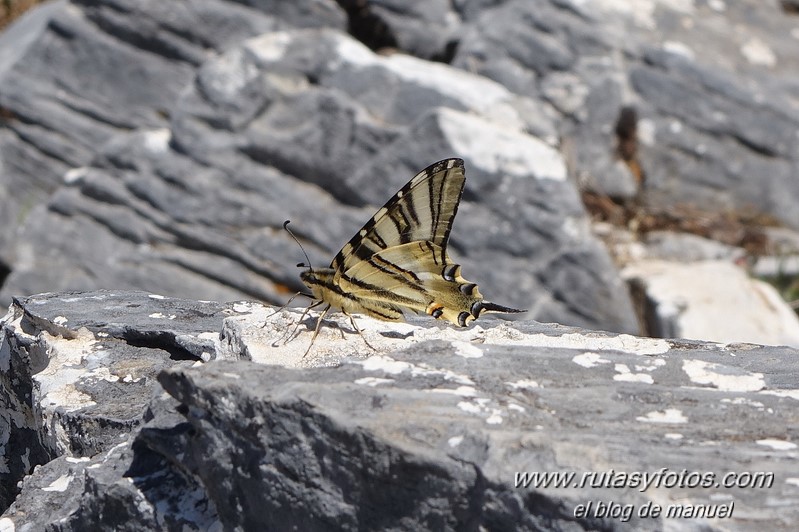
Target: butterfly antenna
286	227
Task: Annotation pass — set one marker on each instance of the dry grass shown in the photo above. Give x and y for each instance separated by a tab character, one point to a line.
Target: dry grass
12	9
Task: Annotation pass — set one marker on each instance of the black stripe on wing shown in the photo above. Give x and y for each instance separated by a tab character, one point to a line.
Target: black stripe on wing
384	294
422	210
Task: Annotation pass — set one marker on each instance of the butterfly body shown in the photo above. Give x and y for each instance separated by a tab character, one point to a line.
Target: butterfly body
398	261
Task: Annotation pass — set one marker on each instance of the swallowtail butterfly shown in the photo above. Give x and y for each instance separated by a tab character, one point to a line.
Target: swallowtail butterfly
398	261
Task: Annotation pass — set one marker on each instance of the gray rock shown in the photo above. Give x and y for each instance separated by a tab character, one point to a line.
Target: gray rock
718	118
311	125
22	425
725	124
685	247
126	487
712	300
157	146
435	433
75	74
782	241
429	30
781	267
79	369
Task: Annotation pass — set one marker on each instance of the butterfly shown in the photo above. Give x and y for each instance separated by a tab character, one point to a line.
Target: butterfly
398	261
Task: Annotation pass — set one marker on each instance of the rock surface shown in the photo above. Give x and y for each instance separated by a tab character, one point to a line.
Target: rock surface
711	300
78	369
160	146
183	186
428	431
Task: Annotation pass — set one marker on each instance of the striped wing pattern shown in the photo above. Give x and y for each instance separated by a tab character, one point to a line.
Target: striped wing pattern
423	210
398	261
412	276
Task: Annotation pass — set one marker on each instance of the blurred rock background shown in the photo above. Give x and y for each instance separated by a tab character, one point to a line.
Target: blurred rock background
631	166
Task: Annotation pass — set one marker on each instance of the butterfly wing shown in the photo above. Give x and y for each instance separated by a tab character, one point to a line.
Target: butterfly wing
413	276
398	260
423	210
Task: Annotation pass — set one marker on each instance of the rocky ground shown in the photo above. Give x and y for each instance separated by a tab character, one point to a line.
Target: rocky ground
157	146
630	167
148	412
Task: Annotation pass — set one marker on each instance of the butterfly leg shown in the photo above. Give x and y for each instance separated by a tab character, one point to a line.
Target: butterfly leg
292	298
360	332
289	336
316	330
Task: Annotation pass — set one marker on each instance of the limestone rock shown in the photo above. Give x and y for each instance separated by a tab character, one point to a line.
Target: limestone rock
177	197
711	300
712	89
170	164
435	429
79	369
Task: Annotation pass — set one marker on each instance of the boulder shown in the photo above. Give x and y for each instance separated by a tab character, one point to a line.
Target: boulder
710	300
432	427
311	125
707	89
160	147
74	381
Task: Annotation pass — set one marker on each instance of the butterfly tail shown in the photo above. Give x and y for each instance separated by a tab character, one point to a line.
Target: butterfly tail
487	306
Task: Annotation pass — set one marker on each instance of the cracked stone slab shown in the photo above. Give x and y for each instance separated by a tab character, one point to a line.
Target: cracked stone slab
79	368
429	430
